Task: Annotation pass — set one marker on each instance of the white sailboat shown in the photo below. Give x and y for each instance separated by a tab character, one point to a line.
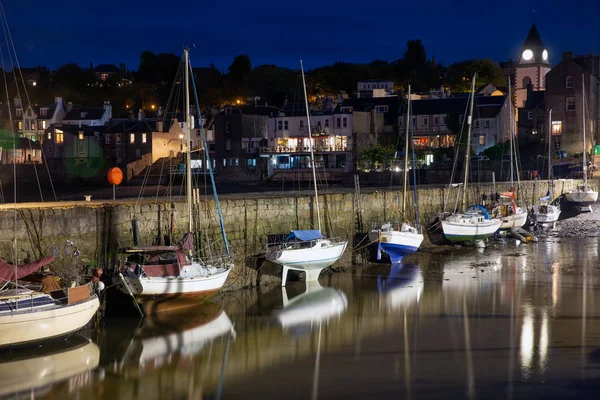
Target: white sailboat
583	196
546	212
306	250
471	225
171	270
506	209
395	239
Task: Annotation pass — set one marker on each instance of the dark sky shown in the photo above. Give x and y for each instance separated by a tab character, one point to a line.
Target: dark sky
281	32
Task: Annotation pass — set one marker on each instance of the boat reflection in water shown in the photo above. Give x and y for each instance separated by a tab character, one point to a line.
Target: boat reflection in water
183	331
315	306
32	372
402	287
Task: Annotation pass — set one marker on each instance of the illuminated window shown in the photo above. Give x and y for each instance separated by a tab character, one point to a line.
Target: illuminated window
118	138
43	124
58	138
49	135
556	128
104	76
569	82
80	135
143	138
570	103
132	138
482	140
33	125
20	125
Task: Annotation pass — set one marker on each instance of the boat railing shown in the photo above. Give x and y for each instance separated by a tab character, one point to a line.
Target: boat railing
300	244
216	261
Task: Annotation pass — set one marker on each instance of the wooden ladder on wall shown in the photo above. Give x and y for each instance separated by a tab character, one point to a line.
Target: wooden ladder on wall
357	204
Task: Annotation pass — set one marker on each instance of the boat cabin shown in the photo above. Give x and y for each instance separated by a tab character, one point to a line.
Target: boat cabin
157	261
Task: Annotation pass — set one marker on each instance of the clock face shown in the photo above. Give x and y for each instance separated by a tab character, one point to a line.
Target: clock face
527	55
545	54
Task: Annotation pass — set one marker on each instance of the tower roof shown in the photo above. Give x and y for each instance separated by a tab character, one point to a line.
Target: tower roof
534	44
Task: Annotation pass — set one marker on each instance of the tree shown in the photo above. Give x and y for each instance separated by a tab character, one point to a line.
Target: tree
414	67
273	84
376	156
239	69
458	77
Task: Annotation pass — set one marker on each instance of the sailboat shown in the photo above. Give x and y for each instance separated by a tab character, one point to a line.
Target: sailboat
584	196
473	225
306	250
546	212
395	239
506	209
173	270
28	316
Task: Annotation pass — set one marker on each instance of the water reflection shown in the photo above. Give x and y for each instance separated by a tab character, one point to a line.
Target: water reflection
31	372
402	287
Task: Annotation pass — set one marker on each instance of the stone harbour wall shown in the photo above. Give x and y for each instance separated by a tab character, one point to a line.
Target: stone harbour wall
100	229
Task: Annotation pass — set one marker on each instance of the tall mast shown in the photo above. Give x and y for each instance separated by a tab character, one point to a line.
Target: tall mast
583	126
468	149
550	150
188	135
312	154
408	121
511	132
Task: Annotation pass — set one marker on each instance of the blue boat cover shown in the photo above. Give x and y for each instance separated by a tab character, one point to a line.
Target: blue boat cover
305	235
479	209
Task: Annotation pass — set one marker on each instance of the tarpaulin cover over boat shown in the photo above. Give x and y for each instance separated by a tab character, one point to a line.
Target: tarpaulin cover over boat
7	270
305	235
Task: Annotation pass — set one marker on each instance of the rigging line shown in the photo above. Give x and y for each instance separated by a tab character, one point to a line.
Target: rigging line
212	178
14	63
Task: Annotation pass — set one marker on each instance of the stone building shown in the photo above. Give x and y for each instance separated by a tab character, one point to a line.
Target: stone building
532	67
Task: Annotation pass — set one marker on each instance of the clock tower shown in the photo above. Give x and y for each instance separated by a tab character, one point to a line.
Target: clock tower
532	66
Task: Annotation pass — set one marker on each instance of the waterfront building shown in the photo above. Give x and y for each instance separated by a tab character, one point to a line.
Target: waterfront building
533	65
33	120
564	97
88	116
25	151
374	88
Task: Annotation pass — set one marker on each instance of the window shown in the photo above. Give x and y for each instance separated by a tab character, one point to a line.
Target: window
80	135
482	140
224	163
19	112
327	123
530	115
228	144
104	76
43	124
345	121
237	162
252	163
29	112
231	162
487	123
143	138
302	125
476	123
570	103
26	124
280	125
436	121
285	125
346	109
49	135
43	112
338	122
526	81
556	128
381	109
445	120
20	125
107	138
58	138
97	136
569	82
118	138
33	125
132	138
425	122
227	127
414	121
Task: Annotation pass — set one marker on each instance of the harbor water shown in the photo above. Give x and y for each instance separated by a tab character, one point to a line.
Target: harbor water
507	321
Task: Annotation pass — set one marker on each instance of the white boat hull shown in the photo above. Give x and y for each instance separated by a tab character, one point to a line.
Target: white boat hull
517	220
582	198
173	285
309	260
23	327
397	244
459	232
550	216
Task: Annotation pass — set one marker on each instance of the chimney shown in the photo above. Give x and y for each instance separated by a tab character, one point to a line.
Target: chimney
159	112
567	56
130	115
159	125
140	115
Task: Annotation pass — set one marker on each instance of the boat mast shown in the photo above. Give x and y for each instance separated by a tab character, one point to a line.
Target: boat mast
188	163
468	149
584	169
511	132
312	154
408	121
550	152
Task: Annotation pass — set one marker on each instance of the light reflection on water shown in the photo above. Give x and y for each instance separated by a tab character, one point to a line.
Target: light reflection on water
512	322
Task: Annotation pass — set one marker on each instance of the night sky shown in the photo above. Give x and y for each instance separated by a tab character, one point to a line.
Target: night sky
281	32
